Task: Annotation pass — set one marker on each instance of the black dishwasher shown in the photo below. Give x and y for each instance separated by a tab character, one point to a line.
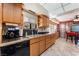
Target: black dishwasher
19	49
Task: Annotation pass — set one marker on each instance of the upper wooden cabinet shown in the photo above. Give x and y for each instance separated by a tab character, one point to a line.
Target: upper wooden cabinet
7	12
0	13
43	21
18	13
12	13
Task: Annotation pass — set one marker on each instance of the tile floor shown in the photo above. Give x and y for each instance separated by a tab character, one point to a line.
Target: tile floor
62	48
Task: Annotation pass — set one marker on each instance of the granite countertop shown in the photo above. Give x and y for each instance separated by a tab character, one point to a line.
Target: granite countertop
21	39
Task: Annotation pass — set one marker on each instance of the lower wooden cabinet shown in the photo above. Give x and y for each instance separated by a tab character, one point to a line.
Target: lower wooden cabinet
34	40
34	49
42	46
47	46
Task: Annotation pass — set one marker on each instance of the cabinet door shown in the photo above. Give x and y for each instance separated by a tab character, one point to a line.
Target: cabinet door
42	46
34	49
8	12
47	21
40	22
34	40
18	13
0	12
52	38
43	21
12	13
47	39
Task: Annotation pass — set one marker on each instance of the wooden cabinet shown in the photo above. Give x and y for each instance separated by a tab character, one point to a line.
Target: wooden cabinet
12	13
48	41
6	14
43	21
37	46
0	33
0	13
40	22
34	40
0	23
34	49
52	38
46	22
42	46
18	13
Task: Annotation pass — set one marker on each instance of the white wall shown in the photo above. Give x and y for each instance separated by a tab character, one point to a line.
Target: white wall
52	28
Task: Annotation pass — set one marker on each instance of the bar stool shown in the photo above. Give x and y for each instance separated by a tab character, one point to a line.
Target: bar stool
71	35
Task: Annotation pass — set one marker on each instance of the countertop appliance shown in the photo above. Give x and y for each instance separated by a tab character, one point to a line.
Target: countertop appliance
30	29
11	32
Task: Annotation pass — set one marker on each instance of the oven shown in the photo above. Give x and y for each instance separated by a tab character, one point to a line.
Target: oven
18	49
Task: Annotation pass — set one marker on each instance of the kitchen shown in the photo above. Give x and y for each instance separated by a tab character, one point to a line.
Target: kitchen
23	32
26	29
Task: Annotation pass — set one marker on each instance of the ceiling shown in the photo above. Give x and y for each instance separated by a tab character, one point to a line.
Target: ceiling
61	11
36	7
54	8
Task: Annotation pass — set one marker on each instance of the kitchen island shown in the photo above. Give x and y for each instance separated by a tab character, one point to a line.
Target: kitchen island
32	45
